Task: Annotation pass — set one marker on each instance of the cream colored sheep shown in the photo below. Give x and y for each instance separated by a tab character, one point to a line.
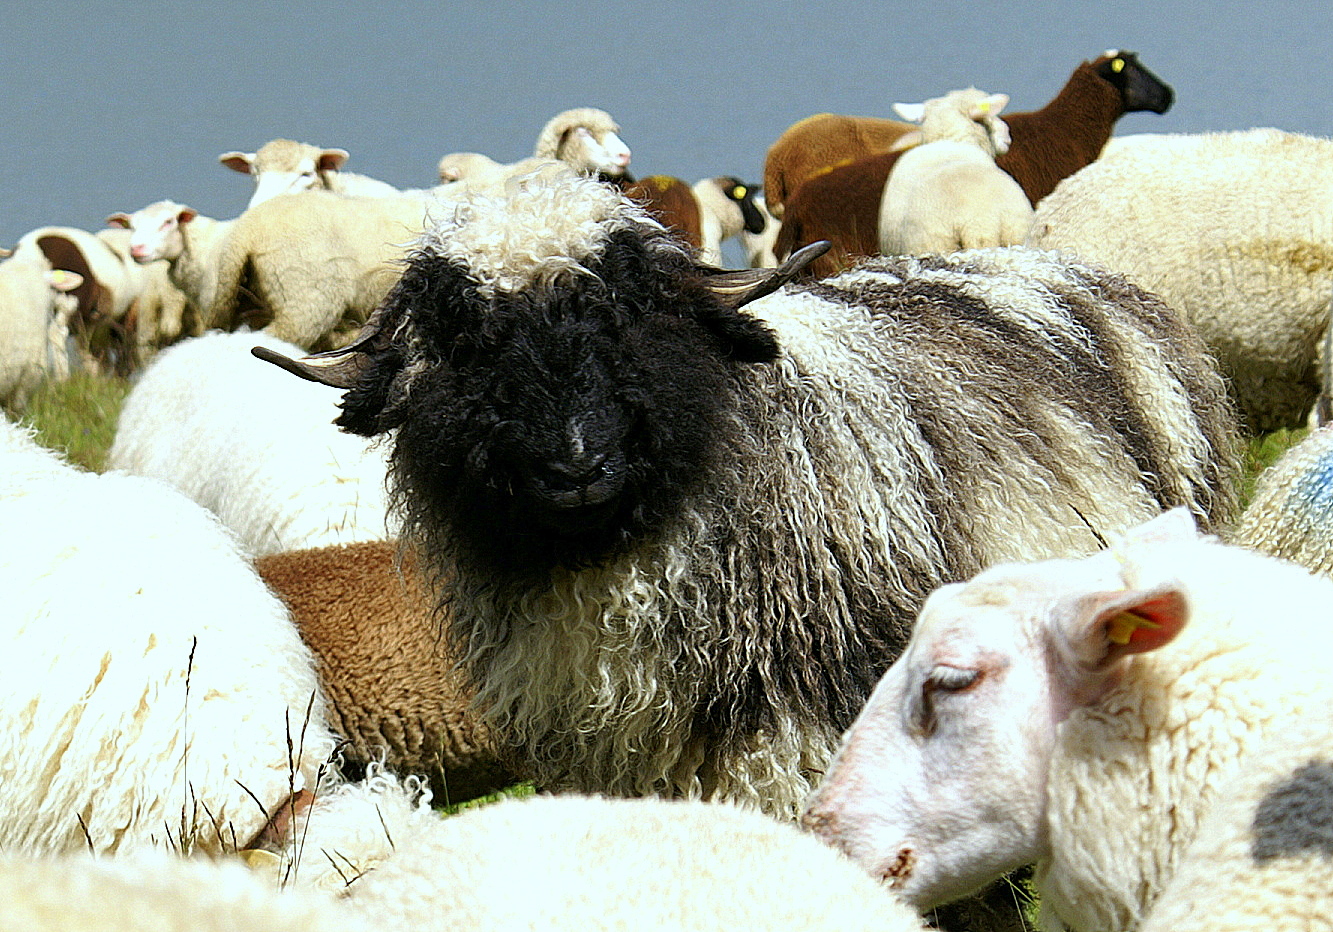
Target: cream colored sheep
38	306
284	166
1234	230
190	244
948	193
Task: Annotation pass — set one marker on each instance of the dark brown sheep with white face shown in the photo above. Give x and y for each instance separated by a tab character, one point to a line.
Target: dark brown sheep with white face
680	540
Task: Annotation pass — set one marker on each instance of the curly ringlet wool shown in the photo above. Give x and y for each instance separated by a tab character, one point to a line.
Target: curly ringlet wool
727	617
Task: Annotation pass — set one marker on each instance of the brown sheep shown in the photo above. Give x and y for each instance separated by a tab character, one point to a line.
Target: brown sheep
391	684
841	205
812	146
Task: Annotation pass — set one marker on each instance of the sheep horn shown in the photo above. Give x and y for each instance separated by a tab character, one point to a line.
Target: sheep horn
341	367
739	288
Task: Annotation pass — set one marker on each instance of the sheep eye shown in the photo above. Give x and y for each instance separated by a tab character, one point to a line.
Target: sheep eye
922	718
951	679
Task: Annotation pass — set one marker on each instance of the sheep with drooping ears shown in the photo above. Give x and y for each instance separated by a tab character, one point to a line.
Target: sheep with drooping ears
1102	717
678	541
841	205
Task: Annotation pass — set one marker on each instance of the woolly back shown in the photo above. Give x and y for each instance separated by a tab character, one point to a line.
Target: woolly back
1135	774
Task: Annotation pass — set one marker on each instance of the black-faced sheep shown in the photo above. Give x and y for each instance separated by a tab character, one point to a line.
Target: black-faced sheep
1113	718
678	543
704	214
841	205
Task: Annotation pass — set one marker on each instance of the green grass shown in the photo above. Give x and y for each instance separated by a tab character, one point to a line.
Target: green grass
1262	452
76	417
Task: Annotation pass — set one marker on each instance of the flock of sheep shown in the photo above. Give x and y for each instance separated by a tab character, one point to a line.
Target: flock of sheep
895	562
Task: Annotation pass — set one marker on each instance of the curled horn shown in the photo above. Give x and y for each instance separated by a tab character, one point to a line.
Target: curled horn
340	368
737	288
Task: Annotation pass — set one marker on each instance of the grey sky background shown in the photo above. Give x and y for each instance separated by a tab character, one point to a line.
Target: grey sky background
109	106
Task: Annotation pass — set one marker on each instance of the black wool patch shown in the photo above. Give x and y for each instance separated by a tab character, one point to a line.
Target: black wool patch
1296	817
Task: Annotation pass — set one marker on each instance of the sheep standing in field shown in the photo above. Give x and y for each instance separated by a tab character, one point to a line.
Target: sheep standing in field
1291	513
1231	229
948	193
308	268
253	447
679	542
394	689
36	310
190	245
284	166
841	205
1090	715
150	684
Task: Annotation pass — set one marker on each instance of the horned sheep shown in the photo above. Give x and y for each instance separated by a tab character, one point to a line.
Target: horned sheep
948	193
1231	229
258	450
1097	716
394	688
1046	145
682	541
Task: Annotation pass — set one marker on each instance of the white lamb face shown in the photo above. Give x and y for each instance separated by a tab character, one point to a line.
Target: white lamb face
155	230
939	786
606	154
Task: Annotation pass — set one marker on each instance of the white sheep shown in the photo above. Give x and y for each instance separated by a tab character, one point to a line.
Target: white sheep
592	863
459	166
189	243
252	445
1086	714
36	306
156	892
284	166
154	693
1232	230
948	193
309	267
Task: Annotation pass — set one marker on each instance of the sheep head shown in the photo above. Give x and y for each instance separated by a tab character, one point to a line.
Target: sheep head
557	369
1139	88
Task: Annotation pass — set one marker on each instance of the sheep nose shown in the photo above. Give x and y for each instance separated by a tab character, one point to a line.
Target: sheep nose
578	470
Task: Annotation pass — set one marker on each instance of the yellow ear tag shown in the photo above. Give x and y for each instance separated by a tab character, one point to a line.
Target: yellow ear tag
1123	626
738	192
984	106
58	276
1118	65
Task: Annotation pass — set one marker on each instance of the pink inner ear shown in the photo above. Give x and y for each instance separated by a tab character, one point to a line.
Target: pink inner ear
1167	613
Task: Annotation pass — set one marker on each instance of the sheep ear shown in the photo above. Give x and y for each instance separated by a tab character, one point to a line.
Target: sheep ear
1174	525
738	288
991	105
909	140
241	162
63	280
119	220
912	112
330	160
1101	628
